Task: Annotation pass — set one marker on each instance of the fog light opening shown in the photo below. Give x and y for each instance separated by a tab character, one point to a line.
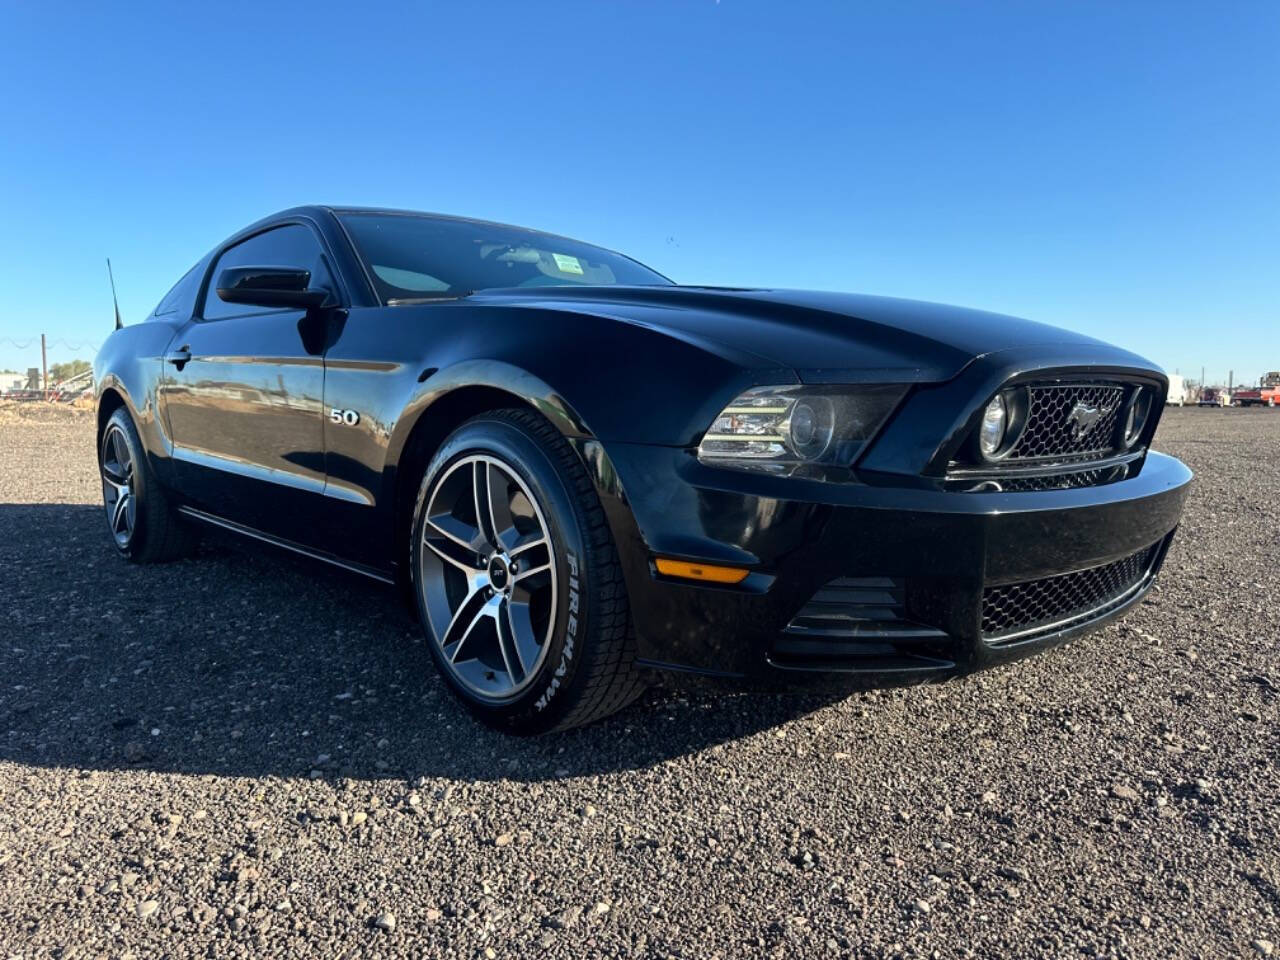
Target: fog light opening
995	420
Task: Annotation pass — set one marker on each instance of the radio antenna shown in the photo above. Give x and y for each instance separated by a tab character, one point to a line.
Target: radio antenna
114	302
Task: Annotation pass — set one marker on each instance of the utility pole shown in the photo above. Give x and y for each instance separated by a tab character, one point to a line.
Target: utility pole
44	366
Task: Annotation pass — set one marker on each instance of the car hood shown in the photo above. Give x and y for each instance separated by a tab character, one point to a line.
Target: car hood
823	337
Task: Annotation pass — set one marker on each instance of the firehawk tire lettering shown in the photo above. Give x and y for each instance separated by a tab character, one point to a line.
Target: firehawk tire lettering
571	634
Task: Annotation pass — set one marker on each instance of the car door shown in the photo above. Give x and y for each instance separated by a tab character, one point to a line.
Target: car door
242	394
373	365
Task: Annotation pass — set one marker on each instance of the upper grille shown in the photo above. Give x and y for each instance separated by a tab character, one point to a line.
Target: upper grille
1052	432
1016	609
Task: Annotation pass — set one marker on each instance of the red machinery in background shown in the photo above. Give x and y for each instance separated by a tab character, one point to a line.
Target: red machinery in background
1266	393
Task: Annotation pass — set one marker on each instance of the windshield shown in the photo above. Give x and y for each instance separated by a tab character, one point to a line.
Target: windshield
412	258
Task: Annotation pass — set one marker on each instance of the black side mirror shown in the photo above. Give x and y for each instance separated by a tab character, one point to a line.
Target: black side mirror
270	287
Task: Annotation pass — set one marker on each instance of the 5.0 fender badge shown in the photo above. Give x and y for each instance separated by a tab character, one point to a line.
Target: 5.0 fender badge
349	417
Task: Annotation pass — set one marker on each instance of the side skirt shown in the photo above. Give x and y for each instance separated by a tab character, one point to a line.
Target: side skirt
289	545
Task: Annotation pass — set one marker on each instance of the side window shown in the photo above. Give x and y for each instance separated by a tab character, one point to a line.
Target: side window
183	295
292	245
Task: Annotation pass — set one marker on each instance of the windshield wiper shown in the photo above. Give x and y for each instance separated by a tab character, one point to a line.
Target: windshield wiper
409	301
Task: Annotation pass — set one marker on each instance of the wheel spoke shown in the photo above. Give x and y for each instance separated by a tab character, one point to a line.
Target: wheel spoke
534	558
507	646
113	474
532	542
472	610
113	469
460	532
524	575
450	550
120	513
505	535
483	503
515	627
121	450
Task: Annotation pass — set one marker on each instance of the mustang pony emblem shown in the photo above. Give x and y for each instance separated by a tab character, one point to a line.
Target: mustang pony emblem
1083	418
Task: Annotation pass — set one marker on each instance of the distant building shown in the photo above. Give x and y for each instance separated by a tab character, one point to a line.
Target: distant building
12	380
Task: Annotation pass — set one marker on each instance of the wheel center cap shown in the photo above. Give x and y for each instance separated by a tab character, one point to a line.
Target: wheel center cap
499	575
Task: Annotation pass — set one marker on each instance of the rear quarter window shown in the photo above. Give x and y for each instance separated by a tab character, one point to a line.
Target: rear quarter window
182	298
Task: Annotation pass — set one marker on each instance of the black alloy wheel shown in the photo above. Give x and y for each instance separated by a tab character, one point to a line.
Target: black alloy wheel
488	583
141	517
118	498
517	580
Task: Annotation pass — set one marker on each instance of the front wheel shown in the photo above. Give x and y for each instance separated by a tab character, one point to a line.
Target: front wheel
517	579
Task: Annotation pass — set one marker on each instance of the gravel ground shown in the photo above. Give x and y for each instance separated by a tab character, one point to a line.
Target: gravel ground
246	754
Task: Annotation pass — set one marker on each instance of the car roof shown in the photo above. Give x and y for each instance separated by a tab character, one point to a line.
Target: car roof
315	210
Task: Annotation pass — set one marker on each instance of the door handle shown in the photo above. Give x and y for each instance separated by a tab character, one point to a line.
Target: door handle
178	357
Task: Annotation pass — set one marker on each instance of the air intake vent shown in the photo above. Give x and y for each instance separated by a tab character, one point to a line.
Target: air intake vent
857	623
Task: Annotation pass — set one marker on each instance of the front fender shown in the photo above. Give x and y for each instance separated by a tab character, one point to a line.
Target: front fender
494	375
414	373
130	365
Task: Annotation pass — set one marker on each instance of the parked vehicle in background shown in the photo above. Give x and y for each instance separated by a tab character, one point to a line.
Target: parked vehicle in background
1265	394
1177	395
1213	397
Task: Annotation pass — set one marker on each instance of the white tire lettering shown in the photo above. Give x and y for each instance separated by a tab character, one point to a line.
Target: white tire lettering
571	634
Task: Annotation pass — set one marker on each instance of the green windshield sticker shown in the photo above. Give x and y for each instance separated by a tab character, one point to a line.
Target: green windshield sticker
567	264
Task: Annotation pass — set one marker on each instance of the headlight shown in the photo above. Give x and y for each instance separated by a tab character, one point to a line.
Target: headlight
772	427
995	420
1136	418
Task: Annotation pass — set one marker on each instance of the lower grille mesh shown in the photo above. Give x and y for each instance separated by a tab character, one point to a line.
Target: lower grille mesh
1064	481
1015	609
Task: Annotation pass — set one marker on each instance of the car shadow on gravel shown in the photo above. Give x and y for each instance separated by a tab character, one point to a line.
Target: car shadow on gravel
253	662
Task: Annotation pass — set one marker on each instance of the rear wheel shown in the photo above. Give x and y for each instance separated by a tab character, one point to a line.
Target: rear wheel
517	579
143	523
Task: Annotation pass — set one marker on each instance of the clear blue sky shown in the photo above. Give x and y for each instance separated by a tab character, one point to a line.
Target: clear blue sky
1112	167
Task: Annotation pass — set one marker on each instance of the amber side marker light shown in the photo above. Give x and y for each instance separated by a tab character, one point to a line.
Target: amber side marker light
700	571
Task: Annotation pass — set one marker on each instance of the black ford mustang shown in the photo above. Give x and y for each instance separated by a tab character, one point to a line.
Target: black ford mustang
583	473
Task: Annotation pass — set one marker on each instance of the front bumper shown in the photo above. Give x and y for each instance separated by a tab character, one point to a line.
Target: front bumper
939	549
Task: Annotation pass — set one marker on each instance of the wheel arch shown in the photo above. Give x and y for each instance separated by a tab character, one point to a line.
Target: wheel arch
456	396
110	400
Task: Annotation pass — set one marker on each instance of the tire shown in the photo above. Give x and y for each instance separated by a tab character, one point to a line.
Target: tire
529	626
145	527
